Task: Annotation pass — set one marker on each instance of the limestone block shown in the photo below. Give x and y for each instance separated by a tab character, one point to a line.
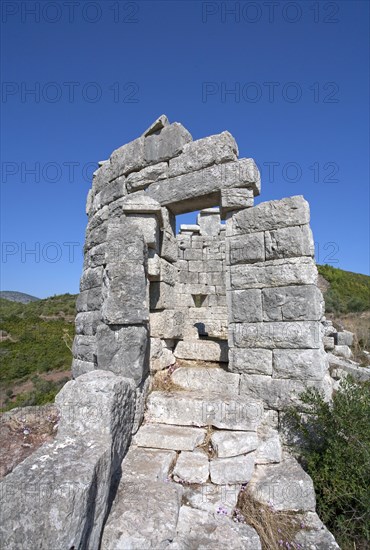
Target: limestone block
193	254
95	257
167	324
101	177
343	351
200	189
204	152
270	215
285	485
269	449
292	303
344	338
149	226
191	467
212	380
306	364
229	413
294	334
124	351
124	294
228	444
89	201
84	347
212	498
144	515
197	266
278	394
176	438
146	176
98	218
91	278
113	190
168	272
87	322
154	265
128	158
95	236
162	296
328	342
199	529
236	469
209	221
250	361
147	464
202	350
292	271
289	242
245	306
235	199
89	300
168	143
142	392
315	534
81	367
247	249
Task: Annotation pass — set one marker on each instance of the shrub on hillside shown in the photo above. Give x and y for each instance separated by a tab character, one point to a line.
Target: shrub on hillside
334	444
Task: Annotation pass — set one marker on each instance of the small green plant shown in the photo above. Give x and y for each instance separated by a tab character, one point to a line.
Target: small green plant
334	445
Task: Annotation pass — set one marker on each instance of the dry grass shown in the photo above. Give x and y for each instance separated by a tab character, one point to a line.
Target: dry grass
274	528
162	381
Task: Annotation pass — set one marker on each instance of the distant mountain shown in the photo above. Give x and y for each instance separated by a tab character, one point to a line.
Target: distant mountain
14	296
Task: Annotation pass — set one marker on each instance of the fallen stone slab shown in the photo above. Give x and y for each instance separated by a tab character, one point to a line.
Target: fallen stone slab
144	515
284	486
315	535
176	438
228	444
199	529
191	467
236	469
212	380
189	409
147	464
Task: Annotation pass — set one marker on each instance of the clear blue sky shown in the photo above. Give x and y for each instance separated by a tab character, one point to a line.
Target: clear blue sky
103	71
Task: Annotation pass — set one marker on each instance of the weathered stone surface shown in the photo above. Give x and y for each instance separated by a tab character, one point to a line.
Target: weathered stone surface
235	199
209	221
245	306
204	152
343	351
247	249
200	189
142	392
212	498
344	338
87	322
95	257
167	324
250	361
124	351
315	535
91	278
286	486
289	242
191	467
279	393
199	529
112	191
162	436
168	143
84	348
229	413
293	334
202	350
228	444
236	469
81	367
46	503
350	367
272	215
292	271
212	380
160	356
328	342
162	296
157	126
149	226
128	158
144	515
298	303
269	446
101	177
147	464
307	364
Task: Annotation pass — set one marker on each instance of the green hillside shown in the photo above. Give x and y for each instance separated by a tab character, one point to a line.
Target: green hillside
348	292
34	340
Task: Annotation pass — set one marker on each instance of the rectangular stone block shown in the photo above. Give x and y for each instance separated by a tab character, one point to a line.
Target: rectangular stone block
292	303
235	199
202	350
126	242
237	469
193	254
250	361
168	143
271	215
204	152
128	158
289	242
101	177
197	266
213	278
89	300
206	380
113	190
228	444
81	367
215	266
168	272
245	306
87	322
146	176
306	364
293	271
84	348
91	278
246	249
154	265
201	189
187	277
167	324
300	334
95	257
176	438
149	226
162	296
